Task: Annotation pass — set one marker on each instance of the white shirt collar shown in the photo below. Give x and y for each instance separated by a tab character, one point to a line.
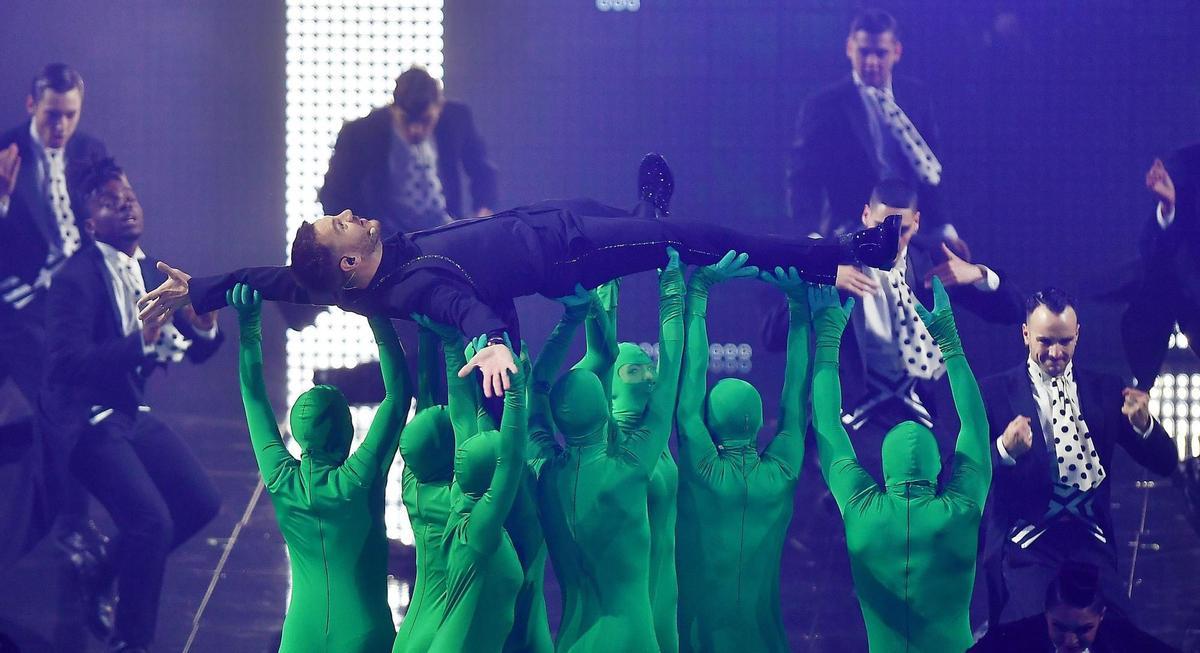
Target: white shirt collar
887	88
1037	374
114	255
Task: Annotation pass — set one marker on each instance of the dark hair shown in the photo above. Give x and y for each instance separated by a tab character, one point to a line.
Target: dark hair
1055	299
874	21
88	179
896	193
313	264
57	77
1076	584
415	91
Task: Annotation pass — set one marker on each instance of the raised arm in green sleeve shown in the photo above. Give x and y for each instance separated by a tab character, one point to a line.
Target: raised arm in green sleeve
378	448
647	443
429	366
788	444
601	330
550	358
461	403
972	473
695	441
488	515
839	464
273	458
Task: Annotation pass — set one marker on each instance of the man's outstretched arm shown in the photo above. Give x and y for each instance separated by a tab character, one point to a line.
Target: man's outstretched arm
274	283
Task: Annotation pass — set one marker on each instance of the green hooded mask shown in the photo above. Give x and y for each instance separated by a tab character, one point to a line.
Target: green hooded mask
579	406
910	456
427	445
321	423
629	400
475	463
734	413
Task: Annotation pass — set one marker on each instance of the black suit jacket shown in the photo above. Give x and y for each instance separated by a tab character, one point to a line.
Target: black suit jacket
91	361
832	157
358	177
1023	491
1169	256
1030	635
1002	306
30	227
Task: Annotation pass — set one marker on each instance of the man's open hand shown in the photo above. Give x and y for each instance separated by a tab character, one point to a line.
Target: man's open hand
171	295
954	271
10	165
1136	408
852	280
1158	181
495	362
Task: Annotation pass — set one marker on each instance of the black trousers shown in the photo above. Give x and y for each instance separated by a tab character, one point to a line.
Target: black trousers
158	495
597	249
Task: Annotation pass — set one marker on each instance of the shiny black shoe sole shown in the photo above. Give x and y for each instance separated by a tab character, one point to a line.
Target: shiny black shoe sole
656	183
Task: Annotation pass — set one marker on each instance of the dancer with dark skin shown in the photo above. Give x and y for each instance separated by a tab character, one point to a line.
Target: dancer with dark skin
593	496
483	572
735	503
323	502
912	548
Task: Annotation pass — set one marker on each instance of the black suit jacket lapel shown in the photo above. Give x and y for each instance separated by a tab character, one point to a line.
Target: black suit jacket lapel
856	115
29	190
104	275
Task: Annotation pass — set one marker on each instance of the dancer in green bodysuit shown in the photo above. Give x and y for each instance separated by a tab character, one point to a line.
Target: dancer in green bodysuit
593	497
912	549
629	378
735	503
323	502
483	572
427	448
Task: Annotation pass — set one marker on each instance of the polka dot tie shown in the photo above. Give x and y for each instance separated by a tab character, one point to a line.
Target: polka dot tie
1078	461
171	344
924	162
920	354
60	203
422	187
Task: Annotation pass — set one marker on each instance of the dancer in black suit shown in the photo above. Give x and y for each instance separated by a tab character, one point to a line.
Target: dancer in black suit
100	357
1055	426
385	164
1167	290
38	231
865	128
891	369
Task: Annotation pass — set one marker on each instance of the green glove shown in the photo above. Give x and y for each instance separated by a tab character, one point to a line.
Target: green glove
577	305
248	304
940	321
829	318
447	333
793	286
731	266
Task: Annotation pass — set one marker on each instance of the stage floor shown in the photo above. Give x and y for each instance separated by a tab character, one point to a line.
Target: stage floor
40	609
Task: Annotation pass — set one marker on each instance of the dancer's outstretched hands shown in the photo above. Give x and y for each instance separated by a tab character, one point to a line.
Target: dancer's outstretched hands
578	303
495	362
246	301
731	266
159	304
829	314
446	332
606	295
790	282
940	321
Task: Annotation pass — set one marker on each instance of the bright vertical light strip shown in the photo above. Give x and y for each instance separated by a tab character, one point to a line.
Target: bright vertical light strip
343	57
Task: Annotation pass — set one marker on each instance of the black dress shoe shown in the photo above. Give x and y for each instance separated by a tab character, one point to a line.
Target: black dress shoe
100	610
84	546
875	247
656	184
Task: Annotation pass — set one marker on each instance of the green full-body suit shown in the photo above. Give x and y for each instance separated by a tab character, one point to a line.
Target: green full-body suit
326	503
427	448
629	379
483	573
734	502
912	548
593	497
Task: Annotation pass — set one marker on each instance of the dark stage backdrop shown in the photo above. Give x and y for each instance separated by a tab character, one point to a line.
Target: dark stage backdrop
189	98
